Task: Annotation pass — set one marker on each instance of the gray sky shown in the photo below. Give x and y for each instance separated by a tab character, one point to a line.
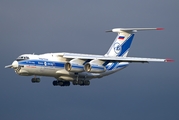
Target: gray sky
139	92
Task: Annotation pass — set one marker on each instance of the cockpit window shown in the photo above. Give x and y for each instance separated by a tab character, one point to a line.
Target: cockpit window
20	58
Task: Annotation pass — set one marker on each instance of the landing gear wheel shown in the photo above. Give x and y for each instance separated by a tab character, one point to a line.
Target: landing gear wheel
75	82
61	83
35	80
81	82
66	83
87	82
55	83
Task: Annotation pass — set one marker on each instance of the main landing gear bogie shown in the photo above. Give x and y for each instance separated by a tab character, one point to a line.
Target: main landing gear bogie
81	82
61	83
75	82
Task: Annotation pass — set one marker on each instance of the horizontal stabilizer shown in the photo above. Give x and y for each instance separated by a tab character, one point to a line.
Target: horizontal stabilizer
118	30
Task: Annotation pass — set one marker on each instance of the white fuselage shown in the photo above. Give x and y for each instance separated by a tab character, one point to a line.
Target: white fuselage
52	65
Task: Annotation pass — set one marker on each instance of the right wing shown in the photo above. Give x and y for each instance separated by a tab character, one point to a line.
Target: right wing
117	59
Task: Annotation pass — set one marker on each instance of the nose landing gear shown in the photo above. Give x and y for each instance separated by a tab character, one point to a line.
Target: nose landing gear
35	80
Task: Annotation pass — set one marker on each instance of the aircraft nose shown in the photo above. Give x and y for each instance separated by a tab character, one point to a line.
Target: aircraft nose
15	64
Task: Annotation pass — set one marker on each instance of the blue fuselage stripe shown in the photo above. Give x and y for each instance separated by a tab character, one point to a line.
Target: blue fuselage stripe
42	63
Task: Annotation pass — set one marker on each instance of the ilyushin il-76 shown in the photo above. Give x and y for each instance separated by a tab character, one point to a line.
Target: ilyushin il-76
80	69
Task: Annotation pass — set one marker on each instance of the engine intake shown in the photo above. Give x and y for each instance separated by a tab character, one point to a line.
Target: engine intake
94	68
73	67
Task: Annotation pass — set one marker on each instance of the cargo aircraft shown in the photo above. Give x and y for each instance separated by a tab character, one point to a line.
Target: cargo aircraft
79	69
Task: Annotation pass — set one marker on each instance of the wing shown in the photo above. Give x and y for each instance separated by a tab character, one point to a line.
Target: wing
117	59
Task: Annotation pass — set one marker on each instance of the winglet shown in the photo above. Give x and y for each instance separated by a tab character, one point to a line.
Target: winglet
169	60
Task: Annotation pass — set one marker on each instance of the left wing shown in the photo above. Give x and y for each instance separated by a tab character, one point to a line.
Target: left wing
117	59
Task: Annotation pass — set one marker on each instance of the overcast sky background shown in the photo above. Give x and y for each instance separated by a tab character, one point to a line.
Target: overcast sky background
139	92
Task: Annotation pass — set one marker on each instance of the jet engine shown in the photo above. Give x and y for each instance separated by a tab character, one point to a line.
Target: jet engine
74	67
94	68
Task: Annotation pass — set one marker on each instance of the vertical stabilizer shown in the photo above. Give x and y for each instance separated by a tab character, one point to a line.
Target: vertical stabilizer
122	43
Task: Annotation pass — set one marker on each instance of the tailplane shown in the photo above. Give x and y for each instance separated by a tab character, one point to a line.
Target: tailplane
122	43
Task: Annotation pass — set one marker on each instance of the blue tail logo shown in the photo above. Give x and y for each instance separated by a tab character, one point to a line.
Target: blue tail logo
117	48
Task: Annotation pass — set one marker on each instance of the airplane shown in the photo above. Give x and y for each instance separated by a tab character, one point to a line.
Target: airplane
79	69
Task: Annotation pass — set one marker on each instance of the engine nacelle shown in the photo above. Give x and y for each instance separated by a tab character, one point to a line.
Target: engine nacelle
74	67
94	68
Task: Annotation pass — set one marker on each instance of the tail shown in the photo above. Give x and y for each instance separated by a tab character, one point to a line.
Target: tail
122	43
